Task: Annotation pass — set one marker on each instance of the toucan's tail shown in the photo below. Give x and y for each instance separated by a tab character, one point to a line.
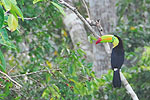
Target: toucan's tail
116	79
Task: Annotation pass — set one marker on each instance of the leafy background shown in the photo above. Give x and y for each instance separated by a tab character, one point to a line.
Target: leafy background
42	43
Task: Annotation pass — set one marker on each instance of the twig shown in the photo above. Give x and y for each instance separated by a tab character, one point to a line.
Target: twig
30	18
128	87
30	49
4	26
6	13
10	78
87	10
10	70
2	86
99	27
37	72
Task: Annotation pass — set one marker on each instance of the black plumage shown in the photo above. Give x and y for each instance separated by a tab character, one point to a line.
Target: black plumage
117	59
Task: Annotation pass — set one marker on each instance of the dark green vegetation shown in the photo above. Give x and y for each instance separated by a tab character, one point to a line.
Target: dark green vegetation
50	48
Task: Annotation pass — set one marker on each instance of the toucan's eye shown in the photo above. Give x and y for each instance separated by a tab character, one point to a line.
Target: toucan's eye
113	38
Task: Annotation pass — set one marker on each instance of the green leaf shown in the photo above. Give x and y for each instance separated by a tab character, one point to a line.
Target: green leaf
62	75
17	10
11	5
17	98
45	93
72	70
12	22
2	98
91	38
35	1
4	39
92	74
3	66
59	8
2	95
1	16
7	4
14	2
56	88
7	88
81	52
72	80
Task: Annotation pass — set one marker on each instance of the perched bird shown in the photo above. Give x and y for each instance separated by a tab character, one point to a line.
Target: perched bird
117	56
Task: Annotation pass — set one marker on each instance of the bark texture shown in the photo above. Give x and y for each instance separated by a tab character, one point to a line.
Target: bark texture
106	11
78	33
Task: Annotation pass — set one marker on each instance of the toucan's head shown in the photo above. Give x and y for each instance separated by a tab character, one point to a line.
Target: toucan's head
109	38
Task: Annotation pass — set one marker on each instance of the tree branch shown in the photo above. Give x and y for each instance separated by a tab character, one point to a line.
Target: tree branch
7	13
10	79
30	18
11	70
128	87
37	72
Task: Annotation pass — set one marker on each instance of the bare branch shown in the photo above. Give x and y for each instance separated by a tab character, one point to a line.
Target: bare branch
128	87
30	18
4	26
26	51
11	69
10	78
7	13
37	72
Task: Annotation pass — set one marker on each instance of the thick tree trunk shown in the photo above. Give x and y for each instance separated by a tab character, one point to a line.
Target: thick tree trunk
106	11
78	33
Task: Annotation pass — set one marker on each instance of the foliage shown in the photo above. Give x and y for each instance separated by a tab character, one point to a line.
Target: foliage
10	20
42	43
133	23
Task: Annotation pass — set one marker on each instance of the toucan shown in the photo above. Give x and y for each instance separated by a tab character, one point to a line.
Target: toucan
117	56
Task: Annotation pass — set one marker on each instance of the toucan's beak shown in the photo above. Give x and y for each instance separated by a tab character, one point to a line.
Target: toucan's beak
99	40
105	38
108	38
